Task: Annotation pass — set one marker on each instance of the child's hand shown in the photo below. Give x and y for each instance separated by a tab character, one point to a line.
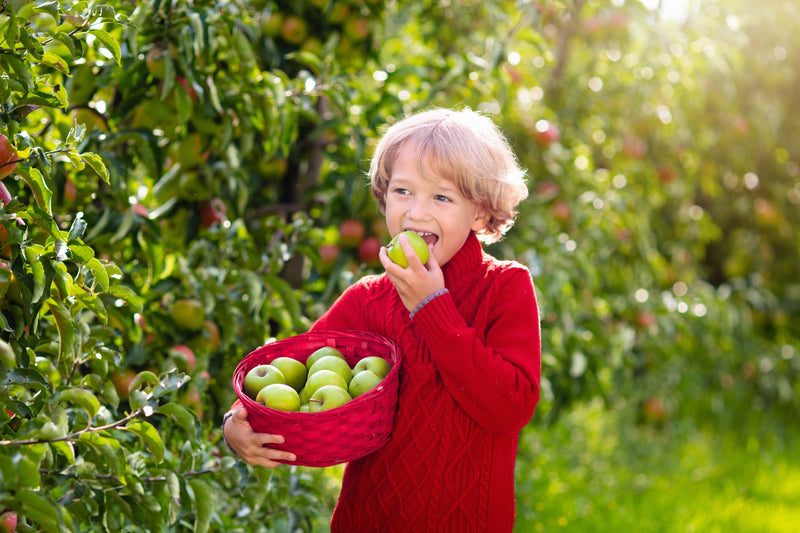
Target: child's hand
415	282
249	445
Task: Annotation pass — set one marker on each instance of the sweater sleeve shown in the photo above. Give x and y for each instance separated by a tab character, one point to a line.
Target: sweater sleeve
494	377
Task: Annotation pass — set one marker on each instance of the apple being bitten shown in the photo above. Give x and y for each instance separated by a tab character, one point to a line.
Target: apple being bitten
259	377
395	251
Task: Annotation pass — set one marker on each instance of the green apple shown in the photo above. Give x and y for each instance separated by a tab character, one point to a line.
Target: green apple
377	364
333	363
279	396
395	251
304	408
322	352
293	370
259	377
364	381
328	397
320	379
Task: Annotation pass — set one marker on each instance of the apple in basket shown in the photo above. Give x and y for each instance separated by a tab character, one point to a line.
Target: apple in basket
376	364
259	377
328	397
320	353
364	381
293	370
334	364
320	379
279	396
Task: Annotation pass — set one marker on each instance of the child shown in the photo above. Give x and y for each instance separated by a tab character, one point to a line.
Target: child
466	323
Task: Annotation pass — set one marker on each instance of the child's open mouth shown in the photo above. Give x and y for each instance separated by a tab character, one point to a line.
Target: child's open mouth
429	238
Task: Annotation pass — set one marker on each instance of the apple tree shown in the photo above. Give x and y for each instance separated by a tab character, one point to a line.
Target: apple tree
154	231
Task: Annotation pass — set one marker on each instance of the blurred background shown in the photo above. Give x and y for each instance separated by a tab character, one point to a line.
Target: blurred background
184	180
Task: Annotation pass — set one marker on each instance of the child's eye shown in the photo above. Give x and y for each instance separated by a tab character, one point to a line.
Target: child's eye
441	198
401	191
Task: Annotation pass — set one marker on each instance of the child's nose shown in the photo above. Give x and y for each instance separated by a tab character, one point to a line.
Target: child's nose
417	209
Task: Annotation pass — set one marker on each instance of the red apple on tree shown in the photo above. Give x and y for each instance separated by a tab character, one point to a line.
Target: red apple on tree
212	212
8	522
5	196
184	356
368	251
546	133
294	30
328	254
8	157
351	233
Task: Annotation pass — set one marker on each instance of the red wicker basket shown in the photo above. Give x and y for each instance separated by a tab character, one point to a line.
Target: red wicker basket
326	438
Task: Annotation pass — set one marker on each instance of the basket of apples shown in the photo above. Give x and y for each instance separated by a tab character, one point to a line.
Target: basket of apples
331	394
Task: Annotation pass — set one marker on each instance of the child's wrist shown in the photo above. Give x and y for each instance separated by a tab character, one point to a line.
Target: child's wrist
224	420
426	300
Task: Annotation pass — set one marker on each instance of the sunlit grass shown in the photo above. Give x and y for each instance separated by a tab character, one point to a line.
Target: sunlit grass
597	471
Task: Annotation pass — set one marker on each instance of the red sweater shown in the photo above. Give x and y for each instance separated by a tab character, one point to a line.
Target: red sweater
469	382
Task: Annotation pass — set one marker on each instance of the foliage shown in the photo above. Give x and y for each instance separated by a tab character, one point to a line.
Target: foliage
594	470
189	182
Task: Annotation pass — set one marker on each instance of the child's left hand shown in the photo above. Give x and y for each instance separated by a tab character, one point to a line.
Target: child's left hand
415	282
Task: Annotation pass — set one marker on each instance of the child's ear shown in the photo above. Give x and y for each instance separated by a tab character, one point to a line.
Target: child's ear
482	217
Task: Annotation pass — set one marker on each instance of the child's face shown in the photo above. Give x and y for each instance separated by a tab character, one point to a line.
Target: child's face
433	208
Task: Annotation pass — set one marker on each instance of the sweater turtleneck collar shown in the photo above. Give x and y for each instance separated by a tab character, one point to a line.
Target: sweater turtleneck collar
463	267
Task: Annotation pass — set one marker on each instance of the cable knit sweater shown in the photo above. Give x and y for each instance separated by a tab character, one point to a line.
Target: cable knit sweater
469	382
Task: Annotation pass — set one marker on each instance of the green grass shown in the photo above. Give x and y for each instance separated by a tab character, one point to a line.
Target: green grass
598	471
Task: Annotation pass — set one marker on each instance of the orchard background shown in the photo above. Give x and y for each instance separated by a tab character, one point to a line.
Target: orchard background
183	181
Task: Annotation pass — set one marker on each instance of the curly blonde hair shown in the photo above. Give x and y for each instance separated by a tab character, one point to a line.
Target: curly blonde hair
464	148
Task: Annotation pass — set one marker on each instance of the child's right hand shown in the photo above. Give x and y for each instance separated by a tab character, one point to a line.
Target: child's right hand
250	446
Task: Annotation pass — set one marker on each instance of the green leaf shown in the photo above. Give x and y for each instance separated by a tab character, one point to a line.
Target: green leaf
203	504
21	70
129	295
41	192
83	398
182	416
96	163
99	272
81	252
109	42
290	301
29	377
12	32
149	436
7	356
65	326
55	62
65	448
39	509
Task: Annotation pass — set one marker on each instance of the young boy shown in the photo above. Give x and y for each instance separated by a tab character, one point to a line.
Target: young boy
466	324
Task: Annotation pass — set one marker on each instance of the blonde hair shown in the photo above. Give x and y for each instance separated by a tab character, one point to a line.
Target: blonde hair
465	148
